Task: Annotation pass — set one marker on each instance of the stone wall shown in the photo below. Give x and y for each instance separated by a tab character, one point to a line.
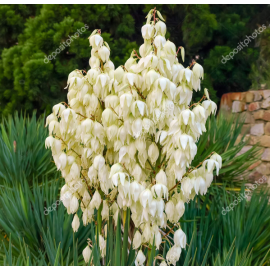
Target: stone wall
255	107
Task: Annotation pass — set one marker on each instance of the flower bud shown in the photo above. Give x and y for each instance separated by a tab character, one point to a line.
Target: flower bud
75	223
96	41
119	74
159	41
137	240
169	210
146	197
105	211
96	200
180	238
104	53
170	48
161	178
87	254
147	31
140	259
173	255
74	205
160	28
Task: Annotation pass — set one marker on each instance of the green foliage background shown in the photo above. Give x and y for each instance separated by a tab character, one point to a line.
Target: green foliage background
29	32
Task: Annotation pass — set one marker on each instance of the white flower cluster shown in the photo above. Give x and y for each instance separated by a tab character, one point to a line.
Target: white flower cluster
98	138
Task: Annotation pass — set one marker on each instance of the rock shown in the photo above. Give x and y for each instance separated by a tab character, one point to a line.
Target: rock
252	139
238	106
266	103
268	181
257	129
254	106
245	129
249	97
263	168
257	95
258	114
265	93
255	176
266	154
238	140
265	141
266	116
267	129
228	98
249	118
244	150
253	166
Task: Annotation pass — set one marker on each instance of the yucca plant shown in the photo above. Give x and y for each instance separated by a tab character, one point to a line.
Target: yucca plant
129	135
22	151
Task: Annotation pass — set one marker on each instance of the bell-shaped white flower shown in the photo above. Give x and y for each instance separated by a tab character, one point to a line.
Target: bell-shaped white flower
160	190
137	126
104	53
160	28
159	41
161	178
146	197
126	100
140	259
217	158
170	48
75	223
199	112
99	162
87	254
96	200
158	239
173	255
198	70
105	211
139	106
58	109
135	190
49	142
209	106
180	208
187	117
137	240
211	164
115	169
169	209
153	152
180	238
151	77
96	41
102	246
75	171
74	205
147	31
